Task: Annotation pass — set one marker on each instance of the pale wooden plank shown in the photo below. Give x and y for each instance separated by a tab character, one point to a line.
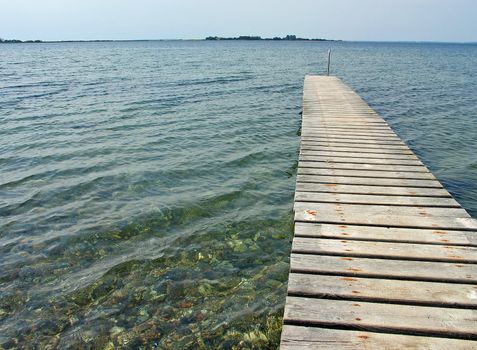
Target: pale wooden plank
350	140
383	290
344	149
300	337
377	190
385	317
320	211
351	143
339	155
376	199
338	132
382	250
358	124
341	144
356	166
384	268
366	173
368	181
320	135
360	160
383	215
341	132
396	234
339	127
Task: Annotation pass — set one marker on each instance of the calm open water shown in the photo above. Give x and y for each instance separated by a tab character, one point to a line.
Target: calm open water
146	188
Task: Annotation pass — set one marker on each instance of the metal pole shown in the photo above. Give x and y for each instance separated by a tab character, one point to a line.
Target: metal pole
329	61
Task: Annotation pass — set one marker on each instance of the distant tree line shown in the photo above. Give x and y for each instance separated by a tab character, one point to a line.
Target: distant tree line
246	37
13	41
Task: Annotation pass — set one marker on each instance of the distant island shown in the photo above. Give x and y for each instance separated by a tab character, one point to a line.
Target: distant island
242	37
15	41
287	38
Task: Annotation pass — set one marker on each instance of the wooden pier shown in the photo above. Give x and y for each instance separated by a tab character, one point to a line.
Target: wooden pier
383	257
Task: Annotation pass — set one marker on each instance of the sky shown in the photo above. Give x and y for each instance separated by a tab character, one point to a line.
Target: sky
363	20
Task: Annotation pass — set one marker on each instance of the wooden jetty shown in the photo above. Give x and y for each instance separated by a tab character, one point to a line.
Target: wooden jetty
383	257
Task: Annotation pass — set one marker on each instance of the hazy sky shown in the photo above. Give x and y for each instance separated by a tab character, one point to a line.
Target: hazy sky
414	20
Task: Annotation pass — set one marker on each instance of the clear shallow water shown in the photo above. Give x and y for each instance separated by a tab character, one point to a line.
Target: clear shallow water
146	188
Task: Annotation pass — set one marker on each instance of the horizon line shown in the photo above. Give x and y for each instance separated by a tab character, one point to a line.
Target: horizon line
32	41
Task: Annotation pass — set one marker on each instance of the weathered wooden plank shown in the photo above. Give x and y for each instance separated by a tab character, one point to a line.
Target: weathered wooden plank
383	290
375	215
339	155
361	160
341	144
323	209
372	190
356	144
300	337
321	135
355	166
348	140
376	199
353	133
369	134
374	150
384	268
368	181
365	173
392	234
359	124
408	319
385	250
347	128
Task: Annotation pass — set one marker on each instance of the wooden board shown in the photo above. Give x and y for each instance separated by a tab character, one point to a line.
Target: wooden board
300	337
409	270
337	145
358	160
386	234
356	154
385	250
319	212
407	319
383	290
363	189
333	180
357	166
366	173
376	199
331	148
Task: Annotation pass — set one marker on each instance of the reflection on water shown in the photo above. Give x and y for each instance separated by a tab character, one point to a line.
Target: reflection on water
146	188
